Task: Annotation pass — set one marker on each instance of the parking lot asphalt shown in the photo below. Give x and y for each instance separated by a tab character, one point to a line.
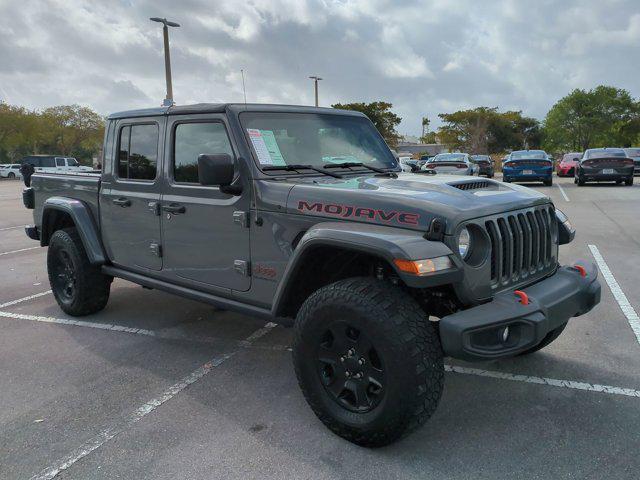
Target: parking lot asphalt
156	386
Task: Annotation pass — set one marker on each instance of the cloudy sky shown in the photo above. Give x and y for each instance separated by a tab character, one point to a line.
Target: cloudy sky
425	57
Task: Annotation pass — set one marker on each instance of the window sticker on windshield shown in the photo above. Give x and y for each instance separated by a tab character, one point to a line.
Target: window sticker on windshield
266	147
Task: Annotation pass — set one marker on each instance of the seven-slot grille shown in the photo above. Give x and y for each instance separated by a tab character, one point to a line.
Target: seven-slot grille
523	244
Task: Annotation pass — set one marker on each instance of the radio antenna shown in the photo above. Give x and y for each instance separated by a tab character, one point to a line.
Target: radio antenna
244	90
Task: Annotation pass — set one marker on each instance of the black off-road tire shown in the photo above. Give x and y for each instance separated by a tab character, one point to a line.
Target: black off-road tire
406	346
547	340
79	287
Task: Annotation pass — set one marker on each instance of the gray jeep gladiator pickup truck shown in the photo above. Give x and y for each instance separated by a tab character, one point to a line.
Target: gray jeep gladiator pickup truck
302	216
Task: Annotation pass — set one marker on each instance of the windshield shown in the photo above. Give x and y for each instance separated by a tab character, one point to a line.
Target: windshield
449	157
72	162
570	157
605	153
530	154
281	139
632	152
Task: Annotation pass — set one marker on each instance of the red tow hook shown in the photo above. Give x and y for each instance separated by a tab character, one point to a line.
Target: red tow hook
581	269
524	298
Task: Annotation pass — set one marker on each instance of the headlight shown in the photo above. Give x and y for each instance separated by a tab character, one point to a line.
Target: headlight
464	243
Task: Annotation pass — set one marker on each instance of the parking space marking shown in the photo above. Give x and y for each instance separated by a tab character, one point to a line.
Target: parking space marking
24	299
553	382
626	307
18	251
12	228
165	334
108	433
564	194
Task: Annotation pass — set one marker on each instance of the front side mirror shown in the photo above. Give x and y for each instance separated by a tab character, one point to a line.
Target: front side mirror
216	170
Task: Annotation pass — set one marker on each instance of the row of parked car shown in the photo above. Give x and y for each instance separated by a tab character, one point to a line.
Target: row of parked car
451	164
595	165
43	163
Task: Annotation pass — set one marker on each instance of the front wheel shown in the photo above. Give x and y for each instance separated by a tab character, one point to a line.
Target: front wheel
581	181
11	175
368	360
79	287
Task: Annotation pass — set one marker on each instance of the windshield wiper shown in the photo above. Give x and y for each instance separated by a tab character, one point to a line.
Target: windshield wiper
290	168
360	164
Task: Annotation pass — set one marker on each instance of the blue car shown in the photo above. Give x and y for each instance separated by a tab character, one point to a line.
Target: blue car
528	166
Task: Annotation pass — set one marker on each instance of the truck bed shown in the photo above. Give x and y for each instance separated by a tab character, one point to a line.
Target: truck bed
83	186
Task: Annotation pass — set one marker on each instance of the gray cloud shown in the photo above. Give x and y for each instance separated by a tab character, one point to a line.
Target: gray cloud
425	57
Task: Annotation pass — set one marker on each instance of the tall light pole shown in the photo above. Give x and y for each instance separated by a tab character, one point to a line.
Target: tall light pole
167	58
316	80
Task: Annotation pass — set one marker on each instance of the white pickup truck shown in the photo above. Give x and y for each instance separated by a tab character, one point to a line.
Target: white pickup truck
54	164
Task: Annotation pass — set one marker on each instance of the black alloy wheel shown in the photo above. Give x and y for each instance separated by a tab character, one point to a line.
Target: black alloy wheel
63	275
350	368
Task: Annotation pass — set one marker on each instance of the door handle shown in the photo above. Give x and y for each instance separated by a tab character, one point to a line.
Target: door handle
174	208
123	202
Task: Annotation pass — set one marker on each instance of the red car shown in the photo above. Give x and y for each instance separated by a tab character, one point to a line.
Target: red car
567	166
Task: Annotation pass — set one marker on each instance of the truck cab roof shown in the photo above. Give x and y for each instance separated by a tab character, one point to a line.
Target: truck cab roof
224	107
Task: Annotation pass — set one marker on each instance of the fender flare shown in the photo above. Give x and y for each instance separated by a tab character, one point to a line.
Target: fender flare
82	218
388	243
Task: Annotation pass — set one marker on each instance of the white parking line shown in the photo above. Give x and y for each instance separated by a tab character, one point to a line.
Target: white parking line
24	299
563	192
11	228
20	250
553	382
110	432
164	334
626	307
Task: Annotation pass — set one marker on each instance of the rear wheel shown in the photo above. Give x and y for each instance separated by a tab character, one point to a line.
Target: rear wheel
547	340
368	361
629	181
548	183
79	287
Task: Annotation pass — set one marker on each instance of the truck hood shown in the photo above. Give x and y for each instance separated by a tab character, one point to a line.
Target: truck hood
409	201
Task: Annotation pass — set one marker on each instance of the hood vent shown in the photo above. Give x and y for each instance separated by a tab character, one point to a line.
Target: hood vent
472	185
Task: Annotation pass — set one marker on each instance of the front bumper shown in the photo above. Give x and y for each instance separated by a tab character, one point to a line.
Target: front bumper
477	333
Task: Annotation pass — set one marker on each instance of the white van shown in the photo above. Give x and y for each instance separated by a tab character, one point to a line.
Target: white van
53	164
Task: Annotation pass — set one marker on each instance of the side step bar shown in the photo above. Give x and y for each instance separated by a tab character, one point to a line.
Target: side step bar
190	293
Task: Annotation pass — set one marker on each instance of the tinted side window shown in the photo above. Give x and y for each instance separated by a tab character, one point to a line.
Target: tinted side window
35	161
193	139
47	162
138	153
60	162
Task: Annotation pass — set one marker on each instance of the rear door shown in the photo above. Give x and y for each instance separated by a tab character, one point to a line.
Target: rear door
205	231
61	164
130	193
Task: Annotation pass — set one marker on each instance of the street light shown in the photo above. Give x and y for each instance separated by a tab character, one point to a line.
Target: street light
167	60
316	79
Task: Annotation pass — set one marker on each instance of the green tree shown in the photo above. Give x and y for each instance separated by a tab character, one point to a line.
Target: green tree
66	130
425	126
486	130
382	117
600	117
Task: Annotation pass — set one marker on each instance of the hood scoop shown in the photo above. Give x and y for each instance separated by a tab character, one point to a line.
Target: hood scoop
473	185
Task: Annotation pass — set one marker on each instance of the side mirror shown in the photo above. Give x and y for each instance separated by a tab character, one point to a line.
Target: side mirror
217	170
